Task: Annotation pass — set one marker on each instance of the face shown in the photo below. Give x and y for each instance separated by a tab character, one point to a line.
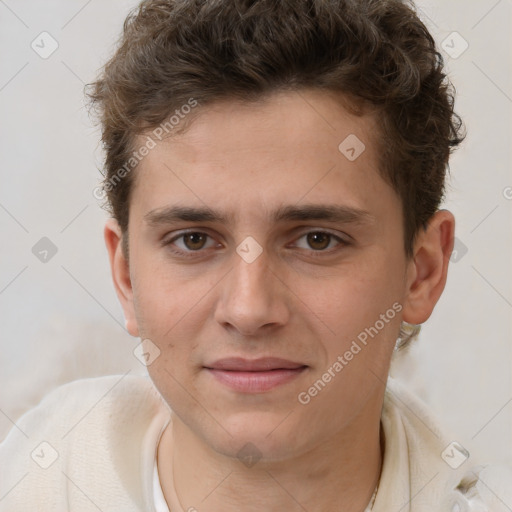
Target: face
295	252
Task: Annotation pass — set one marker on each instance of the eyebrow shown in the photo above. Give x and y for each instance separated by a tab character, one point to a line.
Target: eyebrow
330	213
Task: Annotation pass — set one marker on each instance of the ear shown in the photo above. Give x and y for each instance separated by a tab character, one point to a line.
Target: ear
428	268
120	273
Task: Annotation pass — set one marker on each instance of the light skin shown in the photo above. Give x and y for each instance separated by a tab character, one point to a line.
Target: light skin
304	298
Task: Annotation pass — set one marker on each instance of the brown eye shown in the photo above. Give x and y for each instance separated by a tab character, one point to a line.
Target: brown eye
194	241
321	243
318	240
191	244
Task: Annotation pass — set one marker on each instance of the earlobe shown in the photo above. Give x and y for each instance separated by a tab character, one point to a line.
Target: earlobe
120	270
428	268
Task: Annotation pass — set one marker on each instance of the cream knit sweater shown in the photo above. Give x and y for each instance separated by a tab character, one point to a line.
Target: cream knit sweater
90	445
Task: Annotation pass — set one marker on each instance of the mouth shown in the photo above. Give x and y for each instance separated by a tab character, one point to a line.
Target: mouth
254	376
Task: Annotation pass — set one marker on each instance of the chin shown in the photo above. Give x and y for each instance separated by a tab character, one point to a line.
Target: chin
254	438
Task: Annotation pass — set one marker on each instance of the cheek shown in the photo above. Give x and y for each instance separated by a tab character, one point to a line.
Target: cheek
171	311
357	320
163	295
353	298
357	313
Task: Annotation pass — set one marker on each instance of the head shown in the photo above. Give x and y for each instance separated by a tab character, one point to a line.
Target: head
315	138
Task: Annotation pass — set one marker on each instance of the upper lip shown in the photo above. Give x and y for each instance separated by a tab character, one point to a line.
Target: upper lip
254	365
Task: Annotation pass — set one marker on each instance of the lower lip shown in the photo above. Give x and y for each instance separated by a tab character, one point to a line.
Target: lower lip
255	382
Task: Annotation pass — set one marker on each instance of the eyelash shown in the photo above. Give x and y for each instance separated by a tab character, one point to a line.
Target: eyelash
314	253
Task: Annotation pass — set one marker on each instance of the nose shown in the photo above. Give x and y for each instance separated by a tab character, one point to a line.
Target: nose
253	297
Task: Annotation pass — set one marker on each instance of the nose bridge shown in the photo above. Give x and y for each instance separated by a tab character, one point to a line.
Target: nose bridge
251	297
251	278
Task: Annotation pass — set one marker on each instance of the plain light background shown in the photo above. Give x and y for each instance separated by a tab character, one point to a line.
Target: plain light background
60	319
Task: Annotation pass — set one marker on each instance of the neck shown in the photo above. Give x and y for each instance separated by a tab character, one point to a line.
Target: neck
339	474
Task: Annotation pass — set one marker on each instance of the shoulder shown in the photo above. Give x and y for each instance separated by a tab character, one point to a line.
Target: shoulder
421	452
89	433
71	403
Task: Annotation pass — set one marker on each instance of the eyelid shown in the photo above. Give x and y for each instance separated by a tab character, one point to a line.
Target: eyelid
181	232
312	229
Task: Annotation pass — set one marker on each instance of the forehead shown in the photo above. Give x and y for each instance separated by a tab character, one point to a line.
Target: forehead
301	143
312	117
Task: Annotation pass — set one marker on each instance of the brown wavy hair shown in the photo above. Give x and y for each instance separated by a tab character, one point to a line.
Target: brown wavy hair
377	53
